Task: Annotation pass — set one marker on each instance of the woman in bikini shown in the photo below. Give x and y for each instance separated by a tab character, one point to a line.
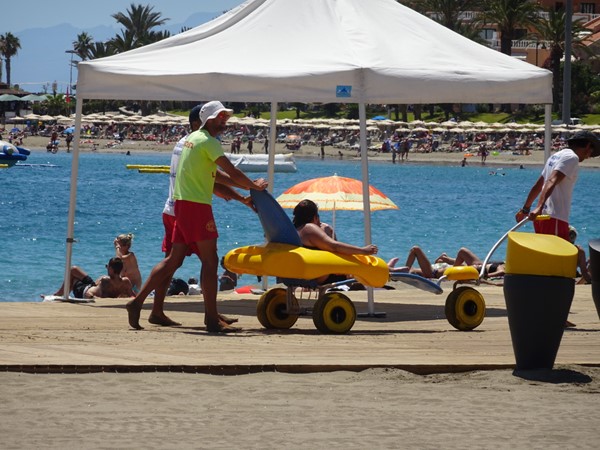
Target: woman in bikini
130	265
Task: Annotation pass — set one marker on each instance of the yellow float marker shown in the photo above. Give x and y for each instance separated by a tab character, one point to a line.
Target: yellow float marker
146	166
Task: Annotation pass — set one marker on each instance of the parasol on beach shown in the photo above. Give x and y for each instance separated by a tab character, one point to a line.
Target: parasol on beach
335	193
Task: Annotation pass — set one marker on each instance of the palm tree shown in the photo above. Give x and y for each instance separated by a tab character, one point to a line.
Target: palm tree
138	26
122	42
9	46
100	50
83	45
509	16
551	30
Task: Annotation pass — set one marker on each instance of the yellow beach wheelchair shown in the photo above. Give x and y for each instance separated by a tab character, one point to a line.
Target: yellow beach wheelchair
295	266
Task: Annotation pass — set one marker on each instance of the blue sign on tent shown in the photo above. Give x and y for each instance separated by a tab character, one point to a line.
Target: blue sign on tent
343	91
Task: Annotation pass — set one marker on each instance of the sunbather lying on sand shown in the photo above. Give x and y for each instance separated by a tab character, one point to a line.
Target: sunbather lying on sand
442	262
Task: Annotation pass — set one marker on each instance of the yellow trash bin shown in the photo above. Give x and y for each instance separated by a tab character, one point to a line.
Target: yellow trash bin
538	290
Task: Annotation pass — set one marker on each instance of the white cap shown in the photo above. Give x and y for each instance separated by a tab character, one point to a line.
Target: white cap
211	110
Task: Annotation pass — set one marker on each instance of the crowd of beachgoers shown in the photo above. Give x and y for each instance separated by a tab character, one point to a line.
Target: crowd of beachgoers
247	135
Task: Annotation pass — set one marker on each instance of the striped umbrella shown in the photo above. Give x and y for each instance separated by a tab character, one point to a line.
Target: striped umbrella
335	193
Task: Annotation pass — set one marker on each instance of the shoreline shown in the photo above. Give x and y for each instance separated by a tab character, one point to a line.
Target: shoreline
536	158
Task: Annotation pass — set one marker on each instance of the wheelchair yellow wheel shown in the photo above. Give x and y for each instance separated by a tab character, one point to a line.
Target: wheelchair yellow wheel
271	307
334	313
465	308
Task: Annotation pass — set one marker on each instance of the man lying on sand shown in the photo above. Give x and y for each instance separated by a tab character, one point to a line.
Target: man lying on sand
111	286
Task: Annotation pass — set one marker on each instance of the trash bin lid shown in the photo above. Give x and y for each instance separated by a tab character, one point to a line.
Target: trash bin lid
540	254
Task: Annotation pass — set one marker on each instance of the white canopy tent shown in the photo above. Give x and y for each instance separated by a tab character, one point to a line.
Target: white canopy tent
329	51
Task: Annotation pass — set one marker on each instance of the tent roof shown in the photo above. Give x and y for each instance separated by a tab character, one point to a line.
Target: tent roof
375	51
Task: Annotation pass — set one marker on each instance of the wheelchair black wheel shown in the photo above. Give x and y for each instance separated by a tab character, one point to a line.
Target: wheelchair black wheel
334	313
465	308
271	307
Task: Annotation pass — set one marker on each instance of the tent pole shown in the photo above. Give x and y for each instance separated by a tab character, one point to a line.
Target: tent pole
272	139
364	157
73	197
547	130
271	169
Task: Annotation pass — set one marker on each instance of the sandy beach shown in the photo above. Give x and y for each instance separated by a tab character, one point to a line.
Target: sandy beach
536	158
75	376
376	408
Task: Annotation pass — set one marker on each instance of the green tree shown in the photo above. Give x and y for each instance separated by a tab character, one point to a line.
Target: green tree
138	27
100	50
56	104
9	47
509	16
138	30
551	30
122	42
584	89
83	45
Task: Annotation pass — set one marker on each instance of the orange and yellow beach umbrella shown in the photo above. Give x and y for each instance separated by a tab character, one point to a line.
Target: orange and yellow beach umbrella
335	193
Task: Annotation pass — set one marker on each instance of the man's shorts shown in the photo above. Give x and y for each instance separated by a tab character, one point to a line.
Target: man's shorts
553	226
80	286
194	222
169	224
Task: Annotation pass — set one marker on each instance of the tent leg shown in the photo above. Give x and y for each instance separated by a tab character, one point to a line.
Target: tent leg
73	197
362	116
271	169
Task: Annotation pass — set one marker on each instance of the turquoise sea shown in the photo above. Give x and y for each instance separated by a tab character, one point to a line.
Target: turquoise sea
441	209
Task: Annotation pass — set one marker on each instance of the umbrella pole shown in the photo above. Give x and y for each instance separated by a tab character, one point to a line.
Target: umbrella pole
362	115
333	220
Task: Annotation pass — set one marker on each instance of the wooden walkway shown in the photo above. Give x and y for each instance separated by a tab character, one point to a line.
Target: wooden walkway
414	336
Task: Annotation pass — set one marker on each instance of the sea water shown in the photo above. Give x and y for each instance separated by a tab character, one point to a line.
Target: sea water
441	208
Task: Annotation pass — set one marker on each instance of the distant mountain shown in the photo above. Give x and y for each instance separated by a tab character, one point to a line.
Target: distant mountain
42	58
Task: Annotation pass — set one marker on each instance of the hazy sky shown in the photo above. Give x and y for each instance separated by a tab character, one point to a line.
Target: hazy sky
42	58
21	15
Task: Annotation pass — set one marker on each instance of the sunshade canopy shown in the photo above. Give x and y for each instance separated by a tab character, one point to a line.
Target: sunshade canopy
343	51
9	98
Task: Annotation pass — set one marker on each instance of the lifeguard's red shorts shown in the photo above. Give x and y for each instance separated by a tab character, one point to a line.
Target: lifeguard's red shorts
194	222
553	226
169	224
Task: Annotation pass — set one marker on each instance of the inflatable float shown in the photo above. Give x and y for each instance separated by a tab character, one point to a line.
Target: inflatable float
247	163
283	162
11	154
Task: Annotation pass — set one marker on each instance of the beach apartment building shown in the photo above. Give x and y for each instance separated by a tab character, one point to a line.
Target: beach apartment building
526	46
